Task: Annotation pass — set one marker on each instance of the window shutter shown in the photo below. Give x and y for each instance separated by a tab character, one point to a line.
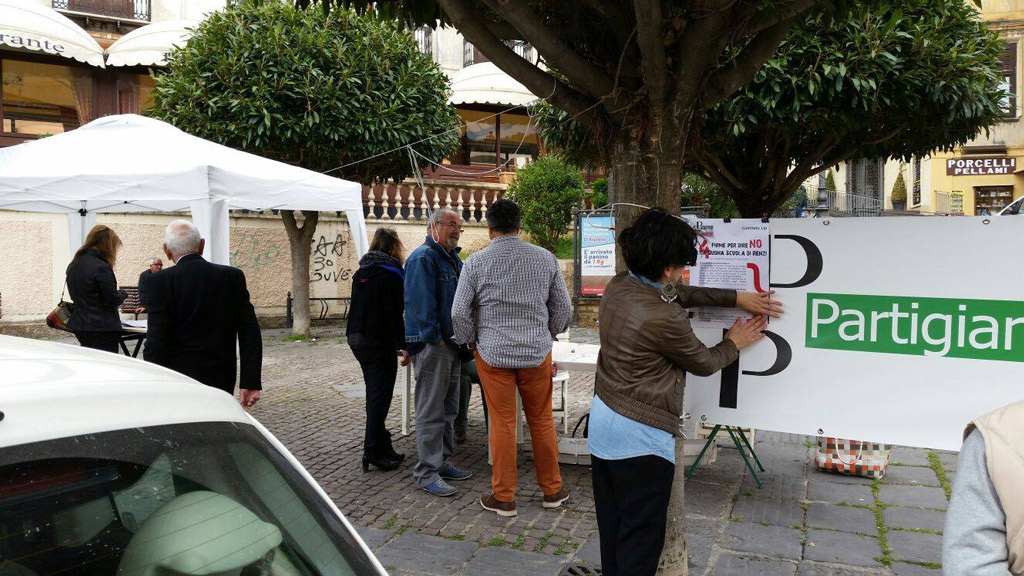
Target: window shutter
1009	63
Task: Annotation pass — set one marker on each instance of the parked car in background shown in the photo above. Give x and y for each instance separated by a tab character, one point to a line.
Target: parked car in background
1014	208
113	466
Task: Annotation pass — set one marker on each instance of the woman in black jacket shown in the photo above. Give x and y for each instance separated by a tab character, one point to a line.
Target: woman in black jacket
376	334
96	321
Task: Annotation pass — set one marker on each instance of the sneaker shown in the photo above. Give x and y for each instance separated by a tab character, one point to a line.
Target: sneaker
449	472
440	488
555	500
506	509
460	436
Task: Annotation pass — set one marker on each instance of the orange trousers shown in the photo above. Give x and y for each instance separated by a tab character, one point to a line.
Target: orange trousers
535	389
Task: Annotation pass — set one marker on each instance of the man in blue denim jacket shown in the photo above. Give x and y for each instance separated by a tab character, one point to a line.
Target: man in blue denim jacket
431	277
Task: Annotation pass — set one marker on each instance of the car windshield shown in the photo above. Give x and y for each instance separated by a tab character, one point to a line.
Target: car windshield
202	498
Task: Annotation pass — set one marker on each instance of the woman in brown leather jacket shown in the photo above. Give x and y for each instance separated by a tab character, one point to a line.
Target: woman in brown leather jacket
647	346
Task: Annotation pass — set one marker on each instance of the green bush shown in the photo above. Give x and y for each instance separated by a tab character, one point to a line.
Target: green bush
599	193
698	191
546	191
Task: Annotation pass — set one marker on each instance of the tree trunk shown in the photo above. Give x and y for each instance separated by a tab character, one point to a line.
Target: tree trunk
647	175
300	240
673	556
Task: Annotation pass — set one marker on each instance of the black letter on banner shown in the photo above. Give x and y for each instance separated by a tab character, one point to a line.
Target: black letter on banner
814	261
727	396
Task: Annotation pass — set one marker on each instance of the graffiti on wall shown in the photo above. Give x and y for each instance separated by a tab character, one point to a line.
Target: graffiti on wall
251	254
326	254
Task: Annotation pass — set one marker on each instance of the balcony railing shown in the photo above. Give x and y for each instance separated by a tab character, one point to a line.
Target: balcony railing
119	9
407	202
841	204
425	40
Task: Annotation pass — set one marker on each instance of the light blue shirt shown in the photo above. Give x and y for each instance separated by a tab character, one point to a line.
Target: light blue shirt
613	436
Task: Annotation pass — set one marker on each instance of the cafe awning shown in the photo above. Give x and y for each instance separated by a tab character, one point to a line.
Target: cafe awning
36	28
149	45
485	83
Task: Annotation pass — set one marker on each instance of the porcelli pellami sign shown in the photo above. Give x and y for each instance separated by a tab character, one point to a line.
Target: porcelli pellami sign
955	328
980	166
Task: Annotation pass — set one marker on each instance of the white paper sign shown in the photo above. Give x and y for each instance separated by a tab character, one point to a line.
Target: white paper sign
733	255
896	330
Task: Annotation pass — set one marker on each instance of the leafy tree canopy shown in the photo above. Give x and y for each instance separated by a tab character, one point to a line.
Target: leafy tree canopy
887	80
313	89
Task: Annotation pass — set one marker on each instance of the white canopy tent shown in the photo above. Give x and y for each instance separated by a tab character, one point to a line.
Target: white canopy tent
149	45
130	163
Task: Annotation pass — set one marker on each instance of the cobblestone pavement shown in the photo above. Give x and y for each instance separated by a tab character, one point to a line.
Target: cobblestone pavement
800	522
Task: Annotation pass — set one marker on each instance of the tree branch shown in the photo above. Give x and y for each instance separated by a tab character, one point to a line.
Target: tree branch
762	22
593	81
649	22
533	78
699	47
620	21
735	74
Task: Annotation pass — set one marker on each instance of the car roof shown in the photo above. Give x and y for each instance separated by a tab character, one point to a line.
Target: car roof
50	390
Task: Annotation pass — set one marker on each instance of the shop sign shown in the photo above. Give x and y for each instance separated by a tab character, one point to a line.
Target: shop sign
18	41
980	166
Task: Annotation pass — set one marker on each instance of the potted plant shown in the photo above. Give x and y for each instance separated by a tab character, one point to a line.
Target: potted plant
899	193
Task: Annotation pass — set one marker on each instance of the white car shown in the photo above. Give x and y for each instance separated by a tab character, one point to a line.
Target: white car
111	465
1013	209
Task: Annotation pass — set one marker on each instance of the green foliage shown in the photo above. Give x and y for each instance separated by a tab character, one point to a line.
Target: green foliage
699	191
546	191
599	193
567	138
830	180
309	88
899	189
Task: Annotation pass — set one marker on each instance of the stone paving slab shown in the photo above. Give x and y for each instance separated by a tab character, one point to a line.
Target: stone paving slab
775	486
819	490
764	540
374	537
814	474
699	550
740	565
842	518
842	548
496	561
808	568
706	499
590	552
903	569
913	475
412	553
915	547
768	511
916	496
914	518
910	456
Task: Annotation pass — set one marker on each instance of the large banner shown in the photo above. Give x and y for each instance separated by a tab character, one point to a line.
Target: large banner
897	330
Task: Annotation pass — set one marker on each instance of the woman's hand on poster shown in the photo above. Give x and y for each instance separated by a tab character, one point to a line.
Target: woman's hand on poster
744	333
759	303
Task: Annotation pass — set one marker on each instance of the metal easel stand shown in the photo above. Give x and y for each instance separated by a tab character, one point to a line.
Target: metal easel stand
743	454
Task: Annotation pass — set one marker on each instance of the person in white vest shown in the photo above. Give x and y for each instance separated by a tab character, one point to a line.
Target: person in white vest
984	532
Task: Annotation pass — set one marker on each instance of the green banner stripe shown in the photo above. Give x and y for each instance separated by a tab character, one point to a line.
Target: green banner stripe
951	327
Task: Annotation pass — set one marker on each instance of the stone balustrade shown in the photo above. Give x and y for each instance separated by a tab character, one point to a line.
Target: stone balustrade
408	202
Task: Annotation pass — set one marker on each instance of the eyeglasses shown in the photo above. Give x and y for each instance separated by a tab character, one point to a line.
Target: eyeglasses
453	226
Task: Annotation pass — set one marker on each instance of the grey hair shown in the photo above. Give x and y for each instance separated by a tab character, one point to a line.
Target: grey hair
437	216
154	260
182	237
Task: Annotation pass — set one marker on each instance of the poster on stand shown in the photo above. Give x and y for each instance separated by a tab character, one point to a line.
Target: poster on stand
597	258
733	254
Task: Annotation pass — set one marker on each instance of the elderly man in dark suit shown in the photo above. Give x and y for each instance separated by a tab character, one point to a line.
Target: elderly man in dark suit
197	311
155	265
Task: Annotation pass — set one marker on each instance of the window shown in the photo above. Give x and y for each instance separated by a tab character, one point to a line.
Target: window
916	192
425	40
989	200
45	98
865	178
519	140
468	54
147	499
1009	81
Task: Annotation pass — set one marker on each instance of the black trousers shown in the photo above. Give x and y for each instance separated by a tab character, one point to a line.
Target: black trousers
380	368
631	497
106	341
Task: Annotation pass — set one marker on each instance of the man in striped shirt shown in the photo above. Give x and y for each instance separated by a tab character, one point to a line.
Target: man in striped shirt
510	303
